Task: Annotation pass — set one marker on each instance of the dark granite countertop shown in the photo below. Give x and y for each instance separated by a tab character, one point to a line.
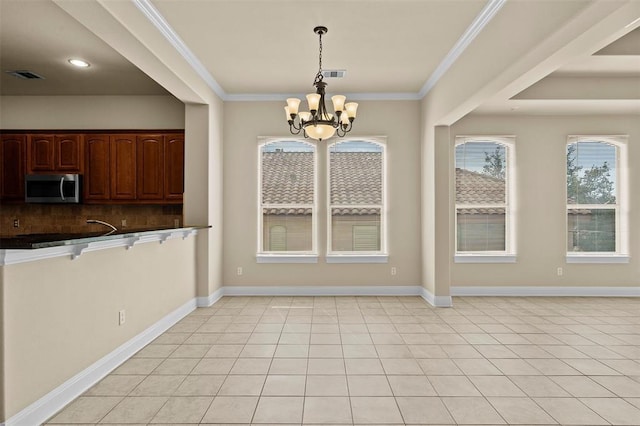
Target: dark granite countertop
36	241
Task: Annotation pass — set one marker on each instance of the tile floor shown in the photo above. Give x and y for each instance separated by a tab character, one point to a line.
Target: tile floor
383	361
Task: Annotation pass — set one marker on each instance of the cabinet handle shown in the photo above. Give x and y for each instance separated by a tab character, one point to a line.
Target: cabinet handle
61	184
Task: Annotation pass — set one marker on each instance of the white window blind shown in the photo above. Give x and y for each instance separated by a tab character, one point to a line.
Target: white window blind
483	173
594	199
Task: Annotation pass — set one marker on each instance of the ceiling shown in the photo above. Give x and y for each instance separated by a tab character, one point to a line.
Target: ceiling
390	48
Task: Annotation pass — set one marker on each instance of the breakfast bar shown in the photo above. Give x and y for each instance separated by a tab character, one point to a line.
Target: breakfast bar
29	247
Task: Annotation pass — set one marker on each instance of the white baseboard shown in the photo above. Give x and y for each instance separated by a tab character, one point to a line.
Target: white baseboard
437	301
205	302
54	401
410	290
507	291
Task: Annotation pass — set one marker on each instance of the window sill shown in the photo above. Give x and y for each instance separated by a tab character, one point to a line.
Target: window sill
287	258
357	258
588	258
484	258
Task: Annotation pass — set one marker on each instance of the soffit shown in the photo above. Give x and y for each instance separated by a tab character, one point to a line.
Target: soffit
38	36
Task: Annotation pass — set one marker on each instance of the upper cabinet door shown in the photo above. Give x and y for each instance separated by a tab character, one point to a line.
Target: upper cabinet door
150	163
41	153
174	167
96	178
12	166
123	167
68	153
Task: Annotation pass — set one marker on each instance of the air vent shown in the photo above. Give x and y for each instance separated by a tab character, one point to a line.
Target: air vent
333	73
24	74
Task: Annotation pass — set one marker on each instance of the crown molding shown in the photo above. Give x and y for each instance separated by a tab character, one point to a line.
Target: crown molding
158	21
484	17
381	96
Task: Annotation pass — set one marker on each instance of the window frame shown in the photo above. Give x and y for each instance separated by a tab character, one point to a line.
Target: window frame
509	254
621	253
379	256
266	256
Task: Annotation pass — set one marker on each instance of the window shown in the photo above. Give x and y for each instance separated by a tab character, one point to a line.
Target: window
484	197
595	220
356	210
287	199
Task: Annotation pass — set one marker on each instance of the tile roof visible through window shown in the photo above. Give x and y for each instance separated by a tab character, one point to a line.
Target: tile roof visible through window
478	188
287	178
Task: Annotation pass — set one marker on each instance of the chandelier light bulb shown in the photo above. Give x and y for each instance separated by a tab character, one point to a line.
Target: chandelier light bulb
320	132
338	102
293	104
351	108
318	123
313	99
305	116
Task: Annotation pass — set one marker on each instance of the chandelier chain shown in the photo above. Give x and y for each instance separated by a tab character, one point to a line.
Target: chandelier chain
319	76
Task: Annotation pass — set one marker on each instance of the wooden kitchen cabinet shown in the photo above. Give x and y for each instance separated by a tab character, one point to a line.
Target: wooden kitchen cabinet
150	167
55	153
40	152
122	167
132	167
13	150
67	153
96	182
174	167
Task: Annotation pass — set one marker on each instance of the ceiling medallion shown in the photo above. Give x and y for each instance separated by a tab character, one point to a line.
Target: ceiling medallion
318	123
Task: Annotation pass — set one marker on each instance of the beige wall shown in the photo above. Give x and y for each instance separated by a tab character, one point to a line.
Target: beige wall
245	121
61	315
541	196
91	112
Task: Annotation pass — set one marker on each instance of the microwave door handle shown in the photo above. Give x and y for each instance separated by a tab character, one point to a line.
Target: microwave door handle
61	192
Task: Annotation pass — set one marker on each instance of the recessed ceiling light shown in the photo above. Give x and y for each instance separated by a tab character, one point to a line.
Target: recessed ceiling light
79	63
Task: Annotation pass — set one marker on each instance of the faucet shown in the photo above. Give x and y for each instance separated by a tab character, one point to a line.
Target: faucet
113	228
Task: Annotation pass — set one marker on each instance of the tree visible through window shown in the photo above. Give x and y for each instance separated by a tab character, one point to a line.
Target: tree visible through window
592	200
482	195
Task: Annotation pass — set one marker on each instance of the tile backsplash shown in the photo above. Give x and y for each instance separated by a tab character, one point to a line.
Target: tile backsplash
60	218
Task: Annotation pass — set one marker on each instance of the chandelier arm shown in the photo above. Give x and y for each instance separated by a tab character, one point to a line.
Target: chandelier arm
292	123
292	127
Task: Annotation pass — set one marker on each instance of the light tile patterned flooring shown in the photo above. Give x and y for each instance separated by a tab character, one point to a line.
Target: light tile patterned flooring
381	360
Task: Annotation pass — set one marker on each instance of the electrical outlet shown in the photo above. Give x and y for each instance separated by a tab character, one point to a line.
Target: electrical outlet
16	223
121	317
560	272
239	270
123	222
176	223
393	270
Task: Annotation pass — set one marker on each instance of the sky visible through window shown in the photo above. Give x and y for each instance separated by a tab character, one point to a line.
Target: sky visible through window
472	156
287	146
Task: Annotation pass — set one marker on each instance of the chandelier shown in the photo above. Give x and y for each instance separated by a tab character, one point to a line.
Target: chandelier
318	123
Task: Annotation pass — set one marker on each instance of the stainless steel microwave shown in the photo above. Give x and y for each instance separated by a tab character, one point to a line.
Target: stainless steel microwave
52	188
